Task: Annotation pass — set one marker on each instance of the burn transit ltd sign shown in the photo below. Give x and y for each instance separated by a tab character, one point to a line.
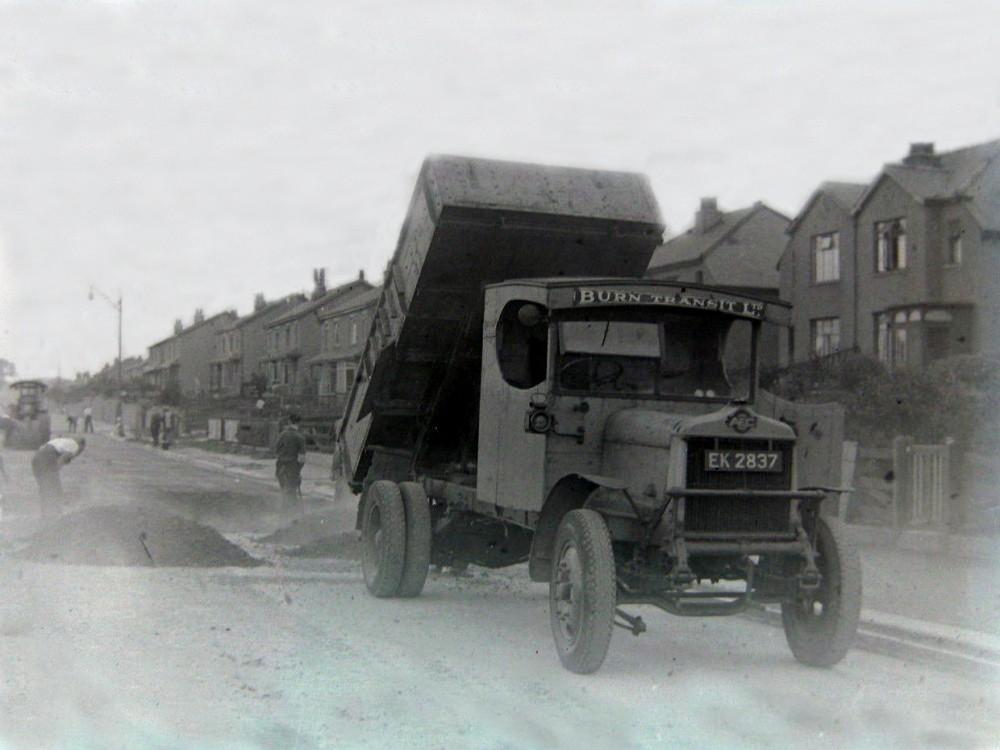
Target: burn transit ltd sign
583	296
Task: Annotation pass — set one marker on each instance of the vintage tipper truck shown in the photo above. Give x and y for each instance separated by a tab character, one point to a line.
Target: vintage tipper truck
524	395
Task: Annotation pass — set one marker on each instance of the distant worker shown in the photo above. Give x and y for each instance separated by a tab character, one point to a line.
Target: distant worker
45	465
88	419
155	427
70	421
291	456
169	428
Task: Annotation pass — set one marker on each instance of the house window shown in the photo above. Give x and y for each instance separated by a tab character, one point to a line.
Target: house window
349	371
336	333
826	257
891	337
890	245
954	243
354	331
825	336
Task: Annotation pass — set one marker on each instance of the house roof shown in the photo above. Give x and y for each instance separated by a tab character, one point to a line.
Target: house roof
971	173
308	306
193	326
692	246
743	267
352	304
844	194
291	299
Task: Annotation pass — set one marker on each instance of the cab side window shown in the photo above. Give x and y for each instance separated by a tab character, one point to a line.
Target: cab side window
522	343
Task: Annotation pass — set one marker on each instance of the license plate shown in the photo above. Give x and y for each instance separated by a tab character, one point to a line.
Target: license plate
768	461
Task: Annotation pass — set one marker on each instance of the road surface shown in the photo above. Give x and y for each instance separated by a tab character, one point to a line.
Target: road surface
296	654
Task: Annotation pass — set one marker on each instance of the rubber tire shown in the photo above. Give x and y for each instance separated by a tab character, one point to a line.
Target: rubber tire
418	539
588	532
824	642
383	569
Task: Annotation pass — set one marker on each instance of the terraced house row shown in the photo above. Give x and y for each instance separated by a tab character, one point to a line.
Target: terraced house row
301	345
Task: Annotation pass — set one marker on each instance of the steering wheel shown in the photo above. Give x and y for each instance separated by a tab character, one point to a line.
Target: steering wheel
612	371
617	370
578	363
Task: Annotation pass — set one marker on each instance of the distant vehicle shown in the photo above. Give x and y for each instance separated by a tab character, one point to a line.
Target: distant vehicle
522	396
29	425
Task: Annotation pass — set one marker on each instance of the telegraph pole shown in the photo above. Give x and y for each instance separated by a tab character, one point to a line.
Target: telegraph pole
121	372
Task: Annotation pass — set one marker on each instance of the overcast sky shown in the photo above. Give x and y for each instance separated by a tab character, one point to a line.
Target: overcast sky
190	154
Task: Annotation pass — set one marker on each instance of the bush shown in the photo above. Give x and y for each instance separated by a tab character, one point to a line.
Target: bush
958	397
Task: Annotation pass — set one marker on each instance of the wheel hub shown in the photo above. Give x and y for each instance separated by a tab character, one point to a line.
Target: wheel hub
569	593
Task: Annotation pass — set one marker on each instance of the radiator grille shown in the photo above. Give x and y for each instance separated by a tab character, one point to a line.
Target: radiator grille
729	515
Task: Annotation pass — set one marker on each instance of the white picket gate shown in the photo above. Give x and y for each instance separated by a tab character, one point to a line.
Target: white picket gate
929	486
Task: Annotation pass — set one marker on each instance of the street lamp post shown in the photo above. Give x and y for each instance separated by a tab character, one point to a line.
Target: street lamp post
118	308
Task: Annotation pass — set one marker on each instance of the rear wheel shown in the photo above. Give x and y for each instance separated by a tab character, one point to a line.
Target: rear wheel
820	625
418	539
383	538
582	591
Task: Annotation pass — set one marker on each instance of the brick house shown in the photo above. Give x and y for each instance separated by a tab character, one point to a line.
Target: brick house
920	279
241	349
163	364
344	328
815	269
185	357
738	250
293	338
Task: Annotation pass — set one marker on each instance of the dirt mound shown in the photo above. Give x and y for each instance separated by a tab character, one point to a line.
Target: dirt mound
343	546
130	536
310	528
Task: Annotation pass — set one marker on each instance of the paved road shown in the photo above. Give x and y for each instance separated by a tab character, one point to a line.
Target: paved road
297	655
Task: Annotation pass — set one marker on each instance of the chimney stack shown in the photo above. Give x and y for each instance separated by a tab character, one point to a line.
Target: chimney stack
319	282
922	155
259	302
707	216
361	275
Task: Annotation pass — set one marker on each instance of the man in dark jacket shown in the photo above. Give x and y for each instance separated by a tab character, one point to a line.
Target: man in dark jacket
291	456
155	427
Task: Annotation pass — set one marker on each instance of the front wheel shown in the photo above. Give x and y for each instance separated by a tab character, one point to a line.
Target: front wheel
582	591
383	538
820	625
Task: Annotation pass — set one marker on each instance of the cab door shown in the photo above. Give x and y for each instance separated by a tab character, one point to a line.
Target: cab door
511	462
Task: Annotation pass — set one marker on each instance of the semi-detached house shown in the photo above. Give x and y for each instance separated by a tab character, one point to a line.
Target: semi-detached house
912	272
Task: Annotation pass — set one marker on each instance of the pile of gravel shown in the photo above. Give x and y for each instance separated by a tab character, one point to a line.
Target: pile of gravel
307	529
343	546
133	536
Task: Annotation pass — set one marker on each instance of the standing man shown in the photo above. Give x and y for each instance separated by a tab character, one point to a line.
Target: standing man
155	425
88	419
45	465
169	426
291	456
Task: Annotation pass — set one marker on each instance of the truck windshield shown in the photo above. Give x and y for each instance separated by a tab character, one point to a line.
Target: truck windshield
691	355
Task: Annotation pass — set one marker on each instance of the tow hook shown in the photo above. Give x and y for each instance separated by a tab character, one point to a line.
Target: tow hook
635	625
